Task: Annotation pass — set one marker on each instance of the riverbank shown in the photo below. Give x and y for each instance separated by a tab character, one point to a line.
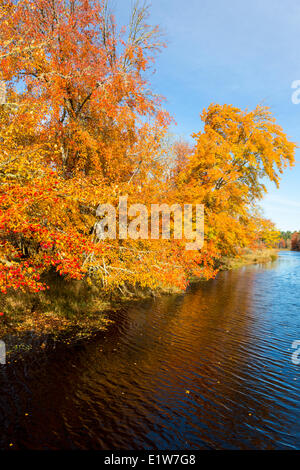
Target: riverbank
249	257
74	310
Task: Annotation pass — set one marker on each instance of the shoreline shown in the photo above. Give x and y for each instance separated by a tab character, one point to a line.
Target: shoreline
250	257
43	330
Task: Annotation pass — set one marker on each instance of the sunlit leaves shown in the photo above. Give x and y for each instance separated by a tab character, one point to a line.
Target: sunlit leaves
80	126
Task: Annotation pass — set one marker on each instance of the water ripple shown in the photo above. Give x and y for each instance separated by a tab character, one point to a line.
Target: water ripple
210	369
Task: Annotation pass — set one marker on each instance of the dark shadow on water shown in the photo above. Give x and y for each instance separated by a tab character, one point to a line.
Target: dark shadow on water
208	369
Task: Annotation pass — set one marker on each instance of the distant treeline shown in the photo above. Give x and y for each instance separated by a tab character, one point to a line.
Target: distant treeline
290	240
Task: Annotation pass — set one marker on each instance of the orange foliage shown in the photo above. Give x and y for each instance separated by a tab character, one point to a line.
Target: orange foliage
295	241
81	127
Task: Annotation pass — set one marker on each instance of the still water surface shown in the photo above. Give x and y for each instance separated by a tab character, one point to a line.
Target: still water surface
210	369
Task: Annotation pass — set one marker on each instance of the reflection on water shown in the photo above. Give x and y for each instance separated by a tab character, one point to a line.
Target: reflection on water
208	369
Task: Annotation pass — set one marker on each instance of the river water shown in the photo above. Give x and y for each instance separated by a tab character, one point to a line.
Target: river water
210	369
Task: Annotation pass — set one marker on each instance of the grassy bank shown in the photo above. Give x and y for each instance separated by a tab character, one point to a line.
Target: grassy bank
67	306
249	257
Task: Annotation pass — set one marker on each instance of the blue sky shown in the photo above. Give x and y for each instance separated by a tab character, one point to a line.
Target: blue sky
237	52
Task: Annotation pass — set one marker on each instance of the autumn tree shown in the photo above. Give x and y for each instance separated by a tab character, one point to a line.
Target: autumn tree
282	243
234	155
295	241
84	124
267	234
80	126
182	152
